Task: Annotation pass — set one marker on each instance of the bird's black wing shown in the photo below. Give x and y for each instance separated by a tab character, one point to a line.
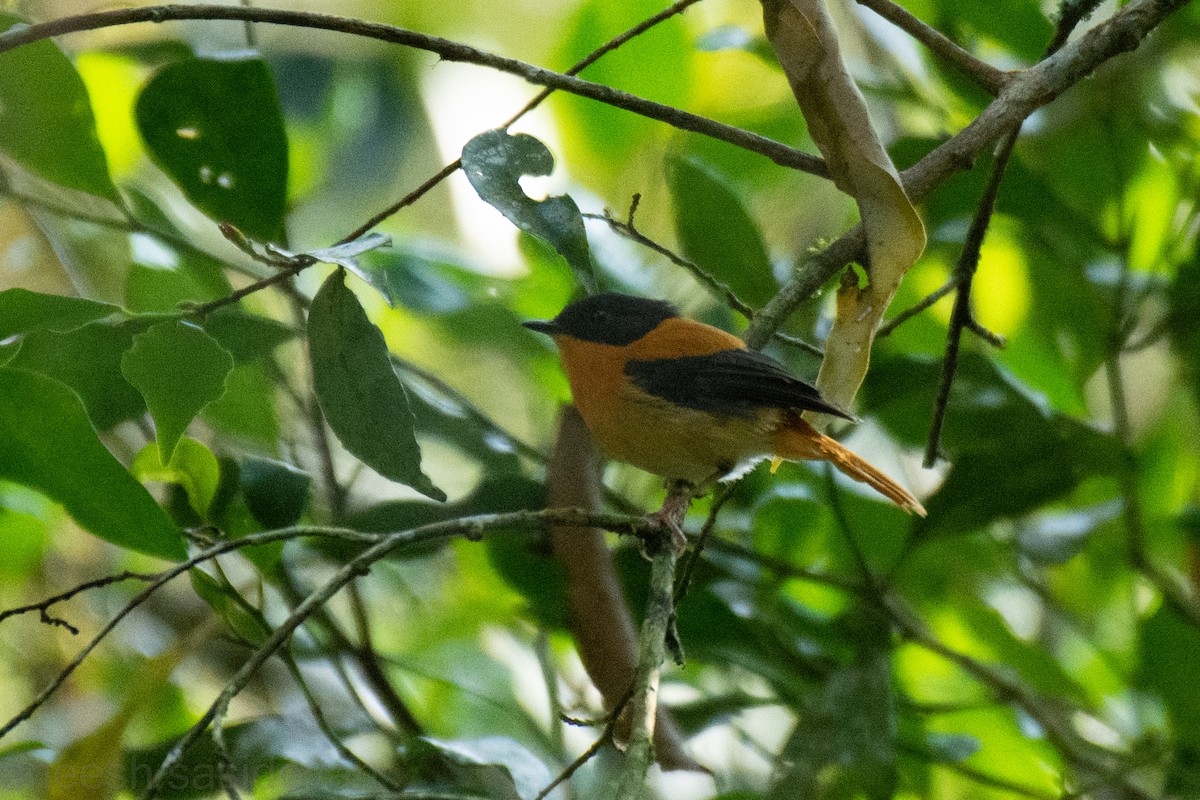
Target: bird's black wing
729	382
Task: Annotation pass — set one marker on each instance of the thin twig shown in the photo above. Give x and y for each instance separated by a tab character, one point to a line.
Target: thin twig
314	708
928	301
473	528
961	316
722	290
588	60
43	606
943	48
723	493
610	726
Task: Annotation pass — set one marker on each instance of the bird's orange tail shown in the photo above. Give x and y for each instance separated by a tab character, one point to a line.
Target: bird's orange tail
797	440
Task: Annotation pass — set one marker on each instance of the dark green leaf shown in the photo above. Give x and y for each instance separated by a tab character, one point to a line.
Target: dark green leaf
179	369
216	128
363	400
46	121
1019	24
1009	453
88	360
494	162
262	745
844	742
276	493
247	337
1170	651
497	765
246	623
191	278
49	445
696	716
417	279
1055	538
247	409
1184	309
23	311
716	232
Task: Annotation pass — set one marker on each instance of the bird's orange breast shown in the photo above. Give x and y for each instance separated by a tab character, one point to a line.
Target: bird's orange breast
650	432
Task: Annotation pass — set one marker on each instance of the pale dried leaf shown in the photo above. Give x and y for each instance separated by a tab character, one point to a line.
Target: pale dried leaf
805	42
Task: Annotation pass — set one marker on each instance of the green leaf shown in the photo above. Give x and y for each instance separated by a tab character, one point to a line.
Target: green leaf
1170	651
23	311
193	467
88	360
276	493
494	162
247	409
844	742
363	400
610	140
188	277
716	232
49	445
422	279
215	126
8	351
263	745
496	765
247	624
1019	24
46	121
179	369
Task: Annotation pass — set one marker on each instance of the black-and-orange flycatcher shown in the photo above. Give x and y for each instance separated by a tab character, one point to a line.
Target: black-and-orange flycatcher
688	401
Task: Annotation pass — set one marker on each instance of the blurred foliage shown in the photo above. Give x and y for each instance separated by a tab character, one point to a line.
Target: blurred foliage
1036	636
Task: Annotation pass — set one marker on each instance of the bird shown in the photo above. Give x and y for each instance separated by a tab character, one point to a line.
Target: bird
690	402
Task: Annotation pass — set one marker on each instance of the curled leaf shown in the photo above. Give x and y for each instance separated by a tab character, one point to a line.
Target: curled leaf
805	42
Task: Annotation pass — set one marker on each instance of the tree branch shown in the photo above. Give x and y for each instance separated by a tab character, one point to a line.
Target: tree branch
943	48
1024	93
448	50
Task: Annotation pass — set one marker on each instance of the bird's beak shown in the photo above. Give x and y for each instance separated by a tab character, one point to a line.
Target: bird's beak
546	326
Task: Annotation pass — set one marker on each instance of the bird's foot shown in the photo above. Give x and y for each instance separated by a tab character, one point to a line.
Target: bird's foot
671	516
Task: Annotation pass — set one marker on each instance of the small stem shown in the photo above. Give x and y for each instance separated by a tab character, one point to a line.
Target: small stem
643	706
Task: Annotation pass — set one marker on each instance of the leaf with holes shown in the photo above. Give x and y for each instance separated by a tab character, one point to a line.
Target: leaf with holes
363	400
494	162
215	126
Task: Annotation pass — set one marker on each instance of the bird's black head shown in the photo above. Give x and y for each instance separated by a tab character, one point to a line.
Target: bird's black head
607	318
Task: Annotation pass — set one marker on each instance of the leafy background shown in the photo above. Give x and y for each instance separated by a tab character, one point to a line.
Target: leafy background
1035	636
